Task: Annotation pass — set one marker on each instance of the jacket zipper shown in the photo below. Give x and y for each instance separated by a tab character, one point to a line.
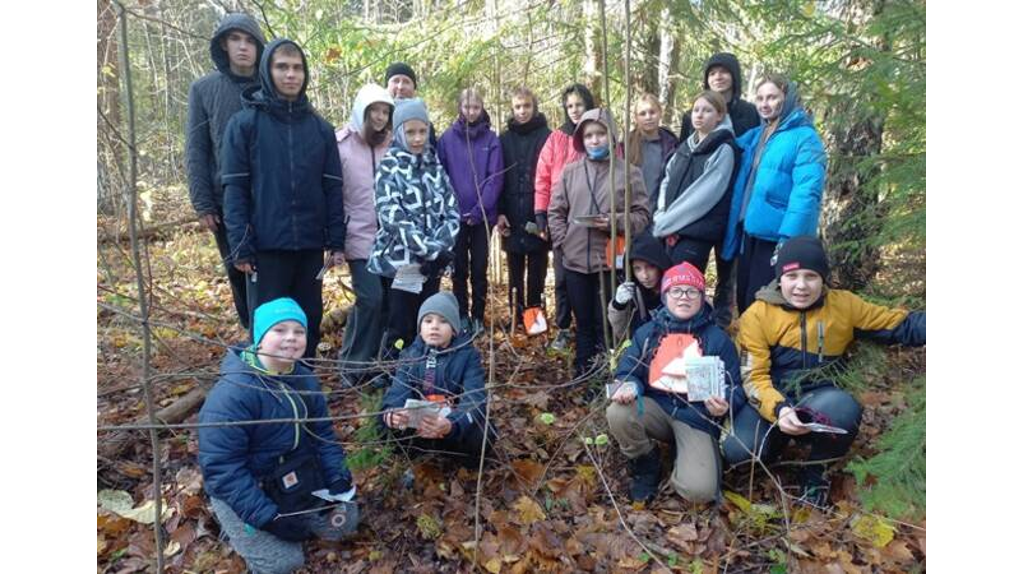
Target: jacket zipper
821	342
291	176
295	412
803	338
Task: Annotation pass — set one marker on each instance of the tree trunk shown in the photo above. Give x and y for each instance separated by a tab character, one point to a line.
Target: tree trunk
108	93
668	63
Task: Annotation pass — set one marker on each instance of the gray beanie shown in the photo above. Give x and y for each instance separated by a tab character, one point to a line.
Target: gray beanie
444	304
405	110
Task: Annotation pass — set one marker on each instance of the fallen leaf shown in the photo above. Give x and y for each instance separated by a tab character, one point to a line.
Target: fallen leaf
493	565
529	510
738	500
120	502
877	530
680	535
528	470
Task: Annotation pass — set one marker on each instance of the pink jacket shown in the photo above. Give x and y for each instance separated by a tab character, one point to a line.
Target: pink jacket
358	171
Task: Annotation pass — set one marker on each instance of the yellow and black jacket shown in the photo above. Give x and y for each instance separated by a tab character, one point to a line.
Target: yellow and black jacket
782	348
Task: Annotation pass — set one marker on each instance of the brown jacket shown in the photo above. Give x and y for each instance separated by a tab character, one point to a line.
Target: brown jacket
583	190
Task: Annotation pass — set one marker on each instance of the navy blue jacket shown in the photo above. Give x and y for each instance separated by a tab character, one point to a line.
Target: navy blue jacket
459	376
713	342
234	458
281	174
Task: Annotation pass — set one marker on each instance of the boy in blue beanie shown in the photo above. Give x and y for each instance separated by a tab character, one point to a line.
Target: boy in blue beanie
442	366
274	485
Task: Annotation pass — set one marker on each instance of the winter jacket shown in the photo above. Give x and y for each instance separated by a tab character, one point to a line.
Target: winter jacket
713	341
282	175
583	190
459	377
557	153
475	167
784	195
743	114
359	168
235	458
520	147
786	351
668	143
645	301
417	215
696	193
212	100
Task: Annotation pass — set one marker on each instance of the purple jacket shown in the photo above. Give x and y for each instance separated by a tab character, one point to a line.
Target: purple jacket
484	150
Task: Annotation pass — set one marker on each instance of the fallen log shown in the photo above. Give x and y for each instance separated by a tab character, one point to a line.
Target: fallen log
111	445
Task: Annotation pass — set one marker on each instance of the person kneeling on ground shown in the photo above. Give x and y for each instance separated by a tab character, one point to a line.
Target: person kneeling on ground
788	337
274	485
443	367
643	407
636	301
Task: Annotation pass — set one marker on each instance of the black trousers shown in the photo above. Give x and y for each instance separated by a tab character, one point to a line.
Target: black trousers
365	323
587	306
693	251
471	250
402	308
754	270
750	431
235	277
292	274
531	268
563	312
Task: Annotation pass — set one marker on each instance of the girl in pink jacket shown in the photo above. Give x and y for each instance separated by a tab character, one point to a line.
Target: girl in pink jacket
361	145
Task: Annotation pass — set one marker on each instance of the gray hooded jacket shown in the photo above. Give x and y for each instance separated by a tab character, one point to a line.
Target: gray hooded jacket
212	100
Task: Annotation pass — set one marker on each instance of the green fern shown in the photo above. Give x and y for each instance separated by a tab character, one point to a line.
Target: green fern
368	436
899	466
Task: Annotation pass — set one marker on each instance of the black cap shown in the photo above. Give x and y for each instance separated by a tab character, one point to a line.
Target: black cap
804	252
401	69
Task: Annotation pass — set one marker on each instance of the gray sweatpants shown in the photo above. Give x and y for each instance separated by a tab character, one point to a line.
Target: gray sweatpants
695	473
265	553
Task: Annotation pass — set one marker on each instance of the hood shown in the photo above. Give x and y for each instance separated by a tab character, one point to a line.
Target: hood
602	116
536	122
267	90
772	294
791	104
729	62
588	101
647	248
668	322
366	96
482	125
405	110
243	22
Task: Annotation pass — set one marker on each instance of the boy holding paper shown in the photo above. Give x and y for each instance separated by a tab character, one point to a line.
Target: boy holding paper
650	400
437	396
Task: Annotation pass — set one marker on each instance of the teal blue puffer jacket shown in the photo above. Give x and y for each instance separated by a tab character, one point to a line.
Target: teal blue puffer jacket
785	200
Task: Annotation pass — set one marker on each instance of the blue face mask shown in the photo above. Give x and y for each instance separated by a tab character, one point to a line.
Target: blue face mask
598	154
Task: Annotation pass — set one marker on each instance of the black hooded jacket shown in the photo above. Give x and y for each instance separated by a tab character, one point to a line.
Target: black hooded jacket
520	146
743	114
281	173
212	100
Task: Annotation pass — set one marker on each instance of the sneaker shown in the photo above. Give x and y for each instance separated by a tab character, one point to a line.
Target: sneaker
562	340
645	475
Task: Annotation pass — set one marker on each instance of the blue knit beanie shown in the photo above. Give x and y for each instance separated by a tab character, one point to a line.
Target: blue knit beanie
273	312
405	110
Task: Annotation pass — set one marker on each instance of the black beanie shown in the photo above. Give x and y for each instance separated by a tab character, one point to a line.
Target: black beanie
401	69
804	252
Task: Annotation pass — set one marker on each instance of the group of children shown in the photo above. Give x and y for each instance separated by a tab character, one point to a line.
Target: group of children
280	187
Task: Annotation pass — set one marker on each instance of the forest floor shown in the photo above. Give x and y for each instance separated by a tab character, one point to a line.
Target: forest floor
552	499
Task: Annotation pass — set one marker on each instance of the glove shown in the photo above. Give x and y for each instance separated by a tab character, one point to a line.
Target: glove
340	486
542	221
775	254
290	528
624	294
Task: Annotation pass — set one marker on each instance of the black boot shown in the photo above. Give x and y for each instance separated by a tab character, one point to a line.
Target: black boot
814	486
645	474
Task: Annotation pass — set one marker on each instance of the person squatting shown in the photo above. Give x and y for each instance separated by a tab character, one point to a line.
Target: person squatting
287	197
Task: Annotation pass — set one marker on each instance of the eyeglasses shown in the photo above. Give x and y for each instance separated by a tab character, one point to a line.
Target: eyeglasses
678	292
